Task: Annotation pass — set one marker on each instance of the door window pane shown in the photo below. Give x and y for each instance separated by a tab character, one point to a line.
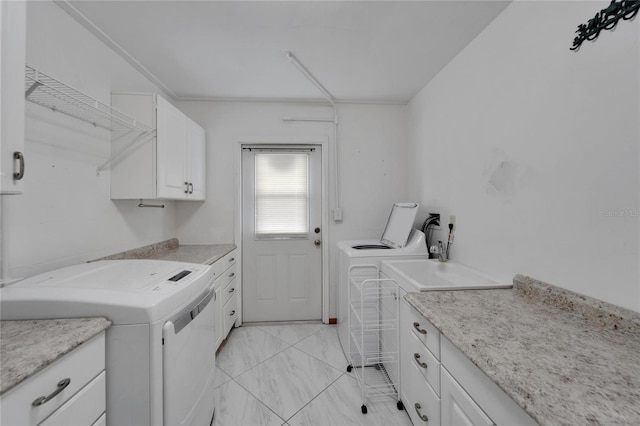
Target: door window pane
282	195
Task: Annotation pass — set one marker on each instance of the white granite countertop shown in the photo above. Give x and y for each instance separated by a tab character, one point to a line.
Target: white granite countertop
206	254
564	358
27	347
172	250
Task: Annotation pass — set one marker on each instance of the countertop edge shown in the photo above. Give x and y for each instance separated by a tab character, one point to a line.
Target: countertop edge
16	368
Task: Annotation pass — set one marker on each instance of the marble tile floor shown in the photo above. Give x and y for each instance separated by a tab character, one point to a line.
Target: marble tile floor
293	374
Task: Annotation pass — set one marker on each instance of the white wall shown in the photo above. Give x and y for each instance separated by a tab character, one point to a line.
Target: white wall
372	170
65	215
535	149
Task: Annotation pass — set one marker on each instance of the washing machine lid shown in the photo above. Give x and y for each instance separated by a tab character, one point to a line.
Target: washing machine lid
124	291
399	224
415	247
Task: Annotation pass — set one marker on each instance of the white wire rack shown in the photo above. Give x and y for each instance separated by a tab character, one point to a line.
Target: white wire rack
50	93
373	324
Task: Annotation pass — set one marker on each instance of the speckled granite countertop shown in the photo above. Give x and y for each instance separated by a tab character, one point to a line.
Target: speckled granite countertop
564	358
27	347
172	250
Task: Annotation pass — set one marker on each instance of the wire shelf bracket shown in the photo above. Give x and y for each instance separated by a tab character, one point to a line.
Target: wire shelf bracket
50	93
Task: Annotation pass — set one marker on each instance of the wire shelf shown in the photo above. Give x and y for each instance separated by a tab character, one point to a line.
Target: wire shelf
50	93
373	325
57	96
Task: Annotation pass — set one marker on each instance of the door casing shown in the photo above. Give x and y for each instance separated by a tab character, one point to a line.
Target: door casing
323	141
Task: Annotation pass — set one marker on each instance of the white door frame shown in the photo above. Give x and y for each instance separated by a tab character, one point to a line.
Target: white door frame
323	141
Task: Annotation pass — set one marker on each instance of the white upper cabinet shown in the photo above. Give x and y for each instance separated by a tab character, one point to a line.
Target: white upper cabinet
171	151
171	166
196	160
12	82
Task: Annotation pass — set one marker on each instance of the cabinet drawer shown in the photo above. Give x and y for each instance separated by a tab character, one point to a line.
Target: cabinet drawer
424	360
81	366
230	313
423	330
84	408
423	404
222	264
230	290
227	276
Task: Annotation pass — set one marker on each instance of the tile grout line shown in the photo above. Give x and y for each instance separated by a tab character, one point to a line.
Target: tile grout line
259	400
287	347
312	399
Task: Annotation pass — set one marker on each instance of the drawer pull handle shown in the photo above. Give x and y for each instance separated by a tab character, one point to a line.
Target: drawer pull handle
62	384
423	417
18	156
416	325
232	259
232	290
416	356
232	313
231	275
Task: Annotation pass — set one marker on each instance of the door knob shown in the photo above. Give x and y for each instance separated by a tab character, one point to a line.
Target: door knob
316	242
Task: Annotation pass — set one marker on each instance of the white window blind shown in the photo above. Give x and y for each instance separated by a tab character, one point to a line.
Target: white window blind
282	195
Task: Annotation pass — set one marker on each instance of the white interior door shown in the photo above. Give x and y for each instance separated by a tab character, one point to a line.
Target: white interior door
281	234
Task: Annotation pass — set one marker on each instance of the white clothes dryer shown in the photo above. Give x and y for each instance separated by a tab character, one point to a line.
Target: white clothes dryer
160	349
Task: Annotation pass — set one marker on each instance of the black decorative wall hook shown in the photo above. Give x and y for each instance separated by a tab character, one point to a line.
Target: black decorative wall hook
606	19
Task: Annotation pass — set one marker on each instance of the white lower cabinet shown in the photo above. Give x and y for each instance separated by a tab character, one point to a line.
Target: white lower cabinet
441	386
72	391
481	390
420	400
457	407
226	305
420	367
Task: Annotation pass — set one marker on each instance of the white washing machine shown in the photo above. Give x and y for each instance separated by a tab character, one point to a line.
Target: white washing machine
160	349
398	241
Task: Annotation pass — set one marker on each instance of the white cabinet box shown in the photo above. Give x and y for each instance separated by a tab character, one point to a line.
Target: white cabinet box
12	82
72	390
226	303
458	408
420	366
171	166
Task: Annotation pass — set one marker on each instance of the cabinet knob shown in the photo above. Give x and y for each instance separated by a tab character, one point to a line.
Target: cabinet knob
231	275
232	313
232	259
232	290
416	325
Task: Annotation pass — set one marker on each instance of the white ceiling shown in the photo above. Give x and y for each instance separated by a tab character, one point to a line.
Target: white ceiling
365	51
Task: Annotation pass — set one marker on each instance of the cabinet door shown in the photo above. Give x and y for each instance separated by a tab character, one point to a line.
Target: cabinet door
457	406
171	151
12	61
196	144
